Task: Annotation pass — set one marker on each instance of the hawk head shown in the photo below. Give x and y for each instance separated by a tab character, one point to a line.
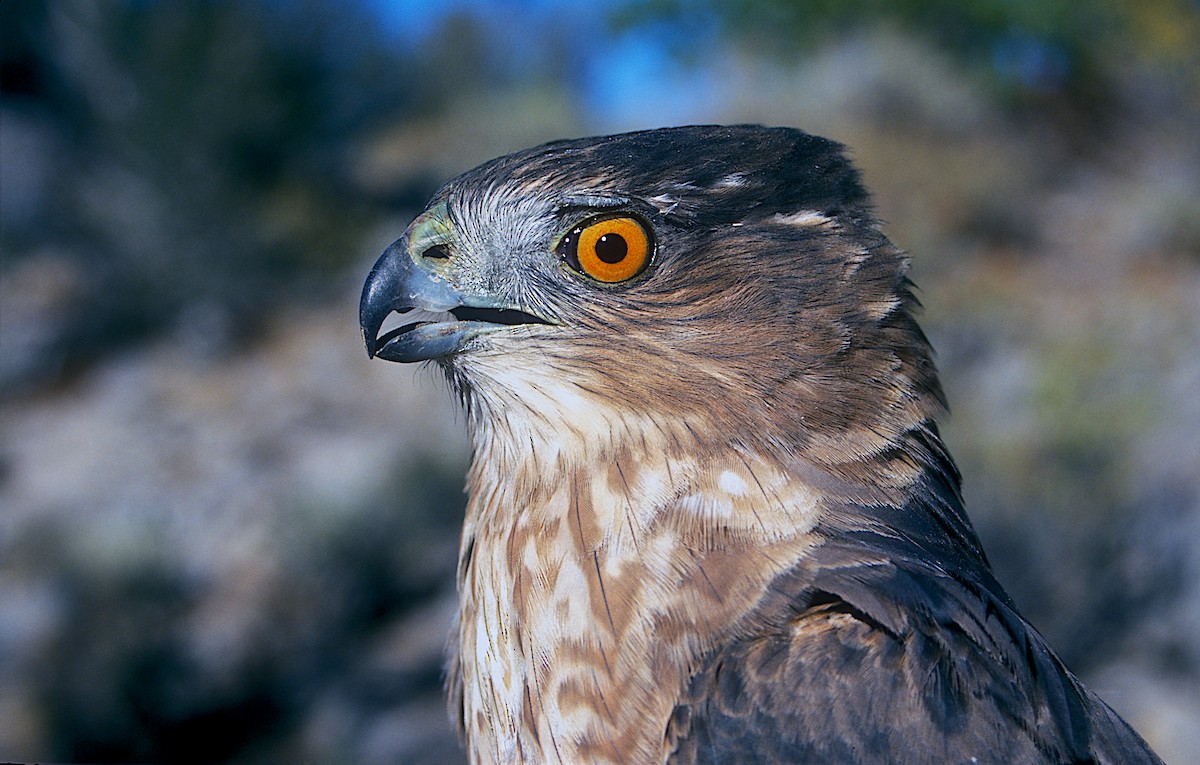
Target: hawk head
725	282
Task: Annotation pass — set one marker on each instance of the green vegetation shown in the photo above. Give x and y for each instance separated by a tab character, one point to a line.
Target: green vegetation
1080	49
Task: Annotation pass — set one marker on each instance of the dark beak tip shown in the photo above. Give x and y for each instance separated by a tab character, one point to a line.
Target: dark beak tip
374	306
369	335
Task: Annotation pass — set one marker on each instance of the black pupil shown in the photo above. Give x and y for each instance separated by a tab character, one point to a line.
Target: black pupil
611	248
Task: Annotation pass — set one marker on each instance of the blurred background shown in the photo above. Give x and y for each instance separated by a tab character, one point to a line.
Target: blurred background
225	536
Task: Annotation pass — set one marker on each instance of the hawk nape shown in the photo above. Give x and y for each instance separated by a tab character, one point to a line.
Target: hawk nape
711	519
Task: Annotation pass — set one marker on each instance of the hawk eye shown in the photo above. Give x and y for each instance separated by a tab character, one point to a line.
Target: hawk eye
609	249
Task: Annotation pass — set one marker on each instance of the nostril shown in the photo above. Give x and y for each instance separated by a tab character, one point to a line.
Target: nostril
437	252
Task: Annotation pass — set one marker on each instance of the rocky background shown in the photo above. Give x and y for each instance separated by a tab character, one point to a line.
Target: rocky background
225	536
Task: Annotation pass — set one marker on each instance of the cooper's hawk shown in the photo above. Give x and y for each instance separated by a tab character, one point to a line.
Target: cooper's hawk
711	518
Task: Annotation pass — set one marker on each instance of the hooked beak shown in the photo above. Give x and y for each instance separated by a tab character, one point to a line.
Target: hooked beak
399	283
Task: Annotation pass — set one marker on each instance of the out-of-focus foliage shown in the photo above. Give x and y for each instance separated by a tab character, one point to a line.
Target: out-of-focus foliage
1030	46
199	168
132	677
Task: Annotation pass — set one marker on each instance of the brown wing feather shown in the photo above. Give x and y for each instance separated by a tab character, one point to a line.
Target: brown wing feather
875	662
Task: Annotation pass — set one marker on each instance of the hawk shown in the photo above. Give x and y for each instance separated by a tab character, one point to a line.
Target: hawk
710	516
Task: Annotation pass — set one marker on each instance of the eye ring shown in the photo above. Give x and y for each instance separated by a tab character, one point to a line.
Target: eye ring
609	249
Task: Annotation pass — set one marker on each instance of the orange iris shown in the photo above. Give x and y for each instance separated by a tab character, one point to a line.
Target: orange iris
608	249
